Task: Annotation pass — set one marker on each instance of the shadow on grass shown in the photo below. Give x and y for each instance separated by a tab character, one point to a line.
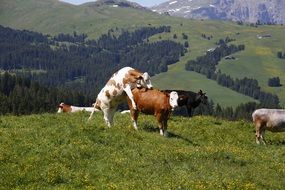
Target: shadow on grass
152	128
276	142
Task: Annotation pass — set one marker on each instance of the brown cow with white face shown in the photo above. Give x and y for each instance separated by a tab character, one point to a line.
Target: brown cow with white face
153	102
117	88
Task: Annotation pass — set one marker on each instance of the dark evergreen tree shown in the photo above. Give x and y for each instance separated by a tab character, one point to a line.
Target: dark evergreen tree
184	36
274	82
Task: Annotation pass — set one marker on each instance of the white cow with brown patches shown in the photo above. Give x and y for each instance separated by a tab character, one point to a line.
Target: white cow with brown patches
268	119
116	90
65	108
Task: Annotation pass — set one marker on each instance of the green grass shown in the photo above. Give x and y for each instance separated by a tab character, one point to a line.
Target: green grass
259	60
64	151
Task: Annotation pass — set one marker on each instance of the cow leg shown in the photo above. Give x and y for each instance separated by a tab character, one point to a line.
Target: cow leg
134	115
108	116
262	136
165	127
160	123
189	111
128	91
161	131
257	133
260	130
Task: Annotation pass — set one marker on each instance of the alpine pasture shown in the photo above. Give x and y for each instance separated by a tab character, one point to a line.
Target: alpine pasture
64	151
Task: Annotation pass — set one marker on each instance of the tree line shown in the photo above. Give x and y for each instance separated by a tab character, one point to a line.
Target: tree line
22	96
206	65
241	112
76	62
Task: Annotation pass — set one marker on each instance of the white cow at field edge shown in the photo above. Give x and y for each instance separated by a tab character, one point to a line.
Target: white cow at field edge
117	89
268	119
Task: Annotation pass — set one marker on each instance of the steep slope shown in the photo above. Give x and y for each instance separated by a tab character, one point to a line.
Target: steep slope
264	11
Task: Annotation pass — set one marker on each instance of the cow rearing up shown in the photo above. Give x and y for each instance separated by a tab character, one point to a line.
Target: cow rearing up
153	102
268	119
117	88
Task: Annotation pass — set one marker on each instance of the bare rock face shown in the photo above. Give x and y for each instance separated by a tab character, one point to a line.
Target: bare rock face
253	11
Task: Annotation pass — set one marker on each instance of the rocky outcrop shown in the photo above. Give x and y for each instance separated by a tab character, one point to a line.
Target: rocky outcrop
262	11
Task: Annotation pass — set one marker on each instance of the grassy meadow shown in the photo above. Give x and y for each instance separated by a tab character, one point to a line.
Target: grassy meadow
64	151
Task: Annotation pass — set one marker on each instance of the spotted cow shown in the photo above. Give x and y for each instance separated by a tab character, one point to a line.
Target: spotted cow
116	90
65	108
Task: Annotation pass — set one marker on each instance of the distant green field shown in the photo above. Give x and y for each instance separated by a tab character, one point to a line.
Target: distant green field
64	151
258	61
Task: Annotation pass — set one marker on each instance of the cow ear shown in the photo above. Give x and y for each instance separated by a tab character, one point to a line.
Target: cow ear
133	79
139	77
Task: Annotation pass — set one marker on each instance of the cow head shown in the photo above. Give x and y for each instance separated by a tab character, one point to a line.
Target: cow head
143	81
173	97
60	108
202	97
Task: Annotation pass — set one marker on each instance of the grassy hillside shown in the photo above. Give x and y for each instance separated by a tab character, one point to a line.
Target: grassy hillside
259	60
64	151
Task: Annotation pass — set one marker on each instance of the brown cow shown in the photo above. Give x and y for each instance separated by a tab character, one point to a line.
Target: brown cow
153	102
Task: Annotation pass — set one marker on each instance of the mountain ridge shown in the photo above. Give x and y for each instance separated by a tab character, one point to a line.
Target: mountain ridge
263	12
